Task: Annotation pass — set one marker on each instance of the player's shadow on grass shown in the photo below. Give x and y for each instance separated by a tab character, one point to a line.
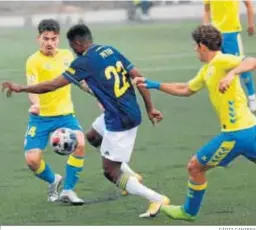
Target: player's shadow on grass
108	198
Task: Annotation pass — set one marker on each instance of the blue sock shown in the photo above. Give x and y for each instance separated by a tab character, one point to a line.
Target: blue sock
45	173
248	81
73	169
194	198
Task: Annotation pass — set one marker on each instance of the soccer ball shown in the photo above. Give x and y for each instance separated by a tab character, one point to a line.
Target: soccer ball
63	141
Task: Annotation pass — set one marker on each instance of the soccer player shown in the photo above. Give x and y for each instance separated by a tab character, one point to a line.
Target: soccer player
95	135
51	111
108	74
238	124
225	16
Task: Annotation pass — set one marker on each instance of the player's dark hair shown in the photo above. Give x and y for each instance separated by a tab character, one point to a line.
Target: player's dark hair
49	25
209	36
81	32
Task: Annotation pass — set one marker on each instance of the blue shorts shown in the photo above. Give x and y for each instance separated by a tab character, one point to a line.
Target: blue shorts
225	147
232	44
40	128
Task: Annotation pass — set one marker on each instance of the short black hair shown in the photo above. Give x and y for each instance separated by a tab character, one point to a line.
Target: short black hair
49	25
209	36
79	31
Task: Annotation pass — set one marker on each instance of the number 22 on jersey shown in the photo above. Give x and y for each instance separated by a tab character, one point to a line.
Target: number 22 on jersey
119	89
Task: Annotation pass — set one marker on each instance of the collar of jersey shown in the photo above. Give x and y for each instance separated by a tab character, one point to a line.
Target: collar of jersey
57	52
92	46
217	54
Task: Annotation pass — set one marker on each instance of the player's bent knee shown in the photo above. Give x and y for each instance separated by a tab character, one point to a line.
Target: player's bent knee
194	167
33	159
94	138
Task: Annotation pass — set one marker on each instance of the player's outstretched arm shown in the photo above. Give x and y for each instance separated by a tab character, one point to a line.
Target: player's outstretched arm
250	16
40	88
247	65
175	89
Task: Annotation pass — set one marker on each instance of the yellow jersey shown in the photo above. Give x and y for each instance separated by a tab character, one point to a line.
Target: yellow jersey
225	15
231	107
41	68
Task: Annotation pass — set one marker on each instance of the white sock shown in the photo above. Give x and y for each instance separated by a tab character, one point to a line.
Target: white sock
252	97
134	187
126	169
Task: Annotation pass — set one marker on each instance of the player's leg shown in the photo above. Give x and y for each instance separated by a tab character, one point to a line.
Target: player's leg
96	132
95	135
232	44
197	185
117	148
94	138
75	161
36	139
220	151
250	145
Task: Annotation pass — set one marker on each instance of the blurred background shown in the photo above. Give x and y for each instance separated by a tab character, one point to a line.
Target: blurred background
26	13
21	13
89	11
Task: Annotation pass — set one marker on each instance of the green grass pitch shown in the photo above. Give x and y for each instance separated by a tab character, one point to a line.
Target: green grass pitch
163	52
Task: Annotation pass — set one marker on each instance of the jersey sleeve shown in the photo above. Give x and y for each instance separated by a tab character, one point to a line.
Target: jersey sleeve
230	61
31	72
197	82
77	71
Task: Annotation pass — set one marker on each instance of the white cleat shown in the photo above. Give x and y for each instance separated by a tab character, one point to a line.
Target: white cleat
154	207
53	195
69	196
252	105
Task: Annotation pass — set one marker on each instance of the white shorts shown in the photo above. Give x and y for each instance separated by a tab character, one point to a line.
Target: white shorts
99	125
118	146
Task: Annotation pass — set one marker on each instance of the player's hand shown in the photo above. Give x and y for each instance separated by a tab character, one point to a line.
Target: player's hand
140	82
11	87
225	83
143	82
155	116
251	30
85	87
34	109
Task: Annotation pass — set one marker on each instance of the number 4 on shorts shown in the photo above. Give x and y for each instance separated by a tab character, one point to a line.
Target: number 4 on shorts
31	131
